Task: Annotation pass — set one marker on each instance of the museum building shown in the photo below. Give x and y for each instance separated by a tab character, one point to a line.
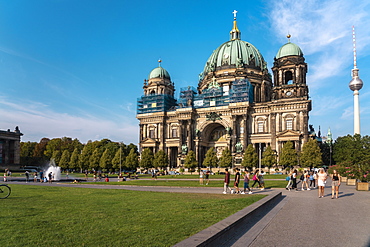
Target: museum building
237	103
10	148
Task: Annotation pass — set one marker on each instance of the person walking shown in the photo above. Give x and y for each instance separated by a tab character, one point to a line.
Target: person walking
246	182
226	181
50	176
201	174
236	182
289	179
261	180
255	179
312	180
321	180
335	183
305	180
35	177
294	179
207	176
315	179
27	173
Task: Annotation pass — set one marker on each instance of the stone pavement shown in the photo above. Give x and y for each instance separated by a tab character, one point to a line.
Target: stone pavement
300	219
303	219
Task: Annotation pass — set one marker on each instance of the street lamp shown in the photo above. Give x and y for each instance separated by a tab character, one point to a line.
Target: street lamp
120	158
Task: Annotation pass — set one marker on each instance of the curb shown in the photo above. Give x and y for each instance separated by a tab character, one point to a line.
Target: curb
217	233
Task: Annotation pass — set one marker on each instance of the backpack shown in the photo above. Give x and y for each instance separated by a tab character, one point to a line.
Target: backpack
287	178
302	177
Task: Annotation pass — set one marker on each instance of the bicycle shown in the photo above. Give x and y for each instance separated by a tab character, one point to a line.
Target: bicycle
5	191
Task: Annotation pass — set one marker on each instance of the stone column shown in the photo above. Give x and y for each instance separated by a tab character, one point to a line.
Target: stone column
180	136
273	130
189	135
234	134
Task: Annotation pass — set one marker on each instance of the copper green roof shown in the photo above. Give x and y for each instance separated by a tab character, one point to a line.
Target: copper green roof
159	72
289	49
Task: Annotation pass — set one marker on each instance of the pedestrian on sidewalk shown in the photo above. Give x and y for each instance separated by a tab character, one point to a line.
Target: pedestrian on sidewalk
289	179
305	180
321	180
27	173
201	174
294	179
236	182
335	183
255	179
207	176
261	180
312	180
226	181
246	182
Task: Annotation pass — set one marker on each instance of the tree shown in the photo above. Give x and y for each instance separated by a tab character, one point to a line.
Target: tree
210	159
226	159
64	160
190	161
119	159
288	156
351	148
94	159
132	162
106	159
56	157
39	151
84	158
73	163
147	158
268	157
311	155
26	155
160	159
52	146
250	158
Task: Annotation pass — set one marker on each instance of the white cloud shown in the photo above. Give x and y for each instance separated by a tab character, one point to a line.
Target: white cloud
323	29
36	121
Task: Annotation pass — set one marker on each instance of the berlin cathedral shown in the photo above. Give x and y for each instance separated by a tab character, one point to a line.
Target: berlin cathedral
237	102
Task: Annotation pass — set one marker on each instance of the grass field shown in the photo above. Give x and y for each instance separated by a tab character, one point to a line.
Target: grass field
59	216
186	183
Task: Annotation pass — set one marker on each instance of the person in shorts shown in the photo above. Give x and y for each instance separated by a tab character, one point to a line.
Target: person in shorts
236	182
335	183
246	182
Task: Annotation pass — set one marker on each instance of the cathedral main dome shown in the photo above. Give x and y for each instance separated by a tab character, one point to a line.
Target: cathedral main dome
234	59
235	53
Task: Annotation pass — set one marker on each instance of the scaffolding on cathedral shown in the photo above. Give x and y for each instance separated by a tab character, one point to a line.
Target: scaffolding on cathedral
156	103
241	91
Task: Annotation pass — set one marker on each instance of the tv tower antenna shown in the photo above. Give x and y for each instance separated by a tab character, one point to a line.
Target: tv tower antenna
355	85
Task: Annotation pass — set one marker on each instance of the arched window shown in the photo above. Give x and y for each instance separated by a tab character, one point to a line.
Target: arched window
288	78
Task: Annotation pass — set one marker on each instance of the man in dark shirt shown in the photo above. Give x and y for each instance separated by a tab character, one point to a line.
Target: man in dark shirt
236	183
226	181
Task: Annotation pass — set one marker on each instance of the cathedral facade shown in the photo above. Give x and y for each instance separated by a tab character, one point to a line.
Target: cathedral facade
236	103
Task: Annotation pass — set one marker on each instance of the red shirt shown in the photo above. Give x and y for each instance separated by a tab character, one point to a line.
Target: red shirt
227	178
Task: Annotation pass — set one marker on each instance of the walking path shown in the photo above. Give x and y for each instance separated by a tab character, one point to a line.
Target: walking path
300	219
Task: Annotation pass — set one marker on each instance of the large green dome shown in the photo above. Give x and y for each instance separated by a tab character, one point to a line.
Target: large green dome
289	49
159	72
235	53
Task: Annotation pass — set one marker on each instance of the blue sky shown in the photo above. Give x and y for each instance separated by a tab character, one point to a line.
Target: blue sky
76	67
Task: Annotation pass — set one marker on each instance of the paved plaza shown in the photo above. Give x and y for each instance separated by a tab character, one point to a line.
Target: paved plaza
299	219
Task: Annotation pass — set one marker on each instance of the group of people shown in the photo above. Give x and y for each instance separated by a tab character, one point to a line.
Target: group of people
313	176
257	179
204	176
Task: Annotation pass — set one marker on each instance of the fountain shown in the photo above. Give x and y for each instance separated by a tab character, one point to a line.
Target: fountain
55	170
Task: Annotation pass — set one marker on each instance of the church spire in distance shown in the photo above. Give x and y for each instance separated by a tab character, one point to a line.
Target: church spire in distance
235	33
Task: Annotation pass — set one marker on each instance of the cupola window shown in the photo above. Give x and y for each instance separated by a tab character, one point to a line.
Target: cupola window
288	78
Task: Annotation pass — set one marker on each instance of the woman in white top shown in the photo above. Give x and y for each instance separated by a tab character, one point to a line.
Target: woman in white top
321	180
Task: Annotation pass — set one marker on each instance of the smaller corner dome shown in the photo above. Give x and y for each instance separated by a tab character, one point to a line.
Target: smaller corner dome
289	49
159	72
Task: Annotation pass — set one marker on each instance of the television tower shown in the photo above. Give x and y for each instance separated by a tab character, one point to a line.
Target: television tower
355	85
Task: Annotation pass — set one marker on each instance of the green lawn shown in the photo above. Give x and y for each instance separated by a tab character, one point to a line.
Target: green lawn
187	183
59	216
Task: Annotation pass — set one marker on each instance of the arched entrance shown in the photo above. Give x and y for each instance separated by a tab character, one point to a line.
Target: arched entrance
214	135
